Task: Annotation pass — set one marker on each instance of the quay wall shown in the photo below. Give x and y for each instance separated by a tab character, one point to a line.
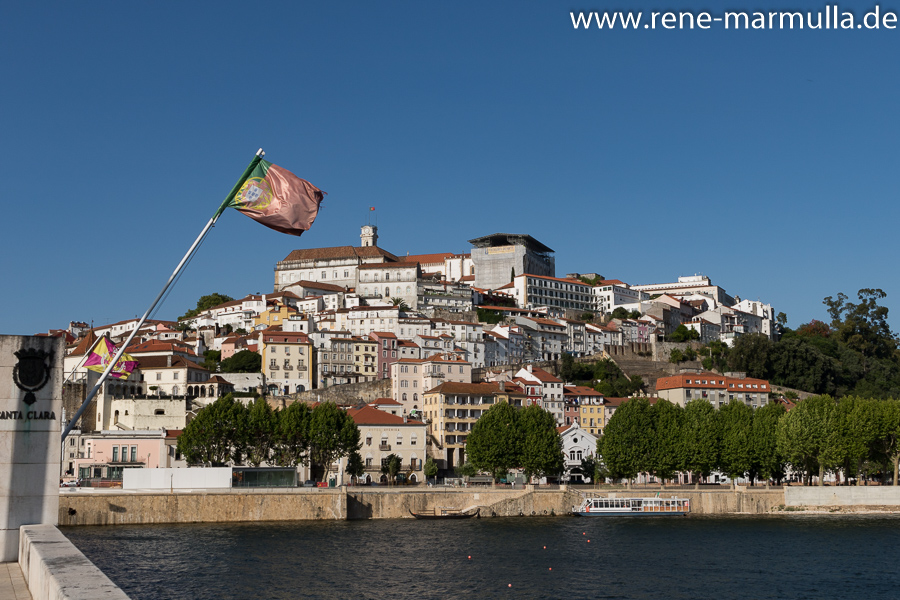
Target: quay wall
108	507
226	506
816	496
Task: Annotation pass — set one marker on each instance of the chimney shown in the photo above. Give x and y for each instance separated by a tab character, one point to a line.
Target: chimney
530	369
404	418
502	386
169	360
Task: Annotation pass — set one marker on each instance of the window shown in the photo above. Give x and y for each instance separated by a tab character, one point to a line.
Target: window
324	275
134	454
175	375
159	376
115	456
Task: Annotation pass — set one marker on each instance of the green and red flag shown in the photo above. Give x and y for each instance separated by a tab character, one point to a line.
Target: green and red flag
276	198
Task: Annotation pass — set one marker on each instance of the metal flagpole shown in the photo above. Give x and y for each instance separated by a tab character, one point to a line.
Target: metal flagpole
187	257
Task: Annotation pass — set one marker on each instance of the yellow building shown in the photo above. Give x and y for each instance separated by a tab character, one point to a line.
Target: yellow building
274	316
364	358
286	361
452	409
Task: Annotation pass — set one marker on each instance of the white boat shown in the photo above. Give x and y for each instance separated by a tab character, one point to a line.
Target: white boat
633	507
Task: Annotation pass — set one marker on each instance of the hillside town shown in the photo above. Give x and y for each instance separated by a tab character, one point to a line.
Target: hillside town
416	348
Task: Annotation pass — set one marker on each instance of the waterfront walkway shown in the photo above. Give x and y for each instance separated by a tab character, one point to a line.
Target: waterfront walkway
12	582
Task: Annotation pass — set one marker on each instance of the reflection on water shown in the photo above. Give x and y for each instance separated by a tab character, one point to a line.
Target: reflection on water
847	557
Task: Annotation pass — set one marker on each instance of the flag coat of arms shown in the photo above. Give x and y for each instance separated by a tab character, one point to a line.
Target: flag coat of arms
103	353
278	199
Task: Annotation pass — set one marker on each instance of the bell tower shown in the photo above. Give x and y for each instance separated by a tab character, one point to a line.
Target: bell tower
369	235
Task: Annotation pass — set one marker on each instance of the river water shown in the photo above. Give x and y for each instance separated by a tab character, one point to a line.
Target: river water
792	556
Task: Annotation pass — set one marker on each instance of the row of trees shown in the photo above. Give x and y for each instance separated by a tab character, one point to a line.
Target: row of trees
854	436
228	431
506	438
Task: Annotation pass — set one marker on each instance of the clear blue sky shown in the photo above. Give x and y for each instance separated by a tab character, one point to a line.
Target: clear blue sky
767	160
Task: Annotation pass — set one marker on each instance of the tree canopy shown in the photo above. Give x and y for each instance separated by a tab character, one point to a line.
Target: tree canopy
206	302
245	361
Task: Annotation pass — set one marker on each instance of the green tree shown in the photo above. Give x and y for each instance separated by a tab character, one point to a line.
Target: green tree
261	433
541	445
332	435
211	360
244	361
355	467
431	468
213	436
802	435
863	326
390	466
620	313
668	436
627	445
683	334
676	356
495	443
750	354
465	470
205	302
851	435
887	432
701	439
293	435
400	303
589	468
736	422
766	459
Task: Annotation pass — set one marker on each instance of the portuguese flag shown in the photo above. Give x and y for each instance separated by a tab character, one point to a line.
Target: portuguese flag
276	198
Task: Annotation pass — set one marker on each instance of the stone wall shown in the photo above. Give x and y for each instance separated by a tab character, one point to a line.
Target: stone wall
815	496
346	394
83	507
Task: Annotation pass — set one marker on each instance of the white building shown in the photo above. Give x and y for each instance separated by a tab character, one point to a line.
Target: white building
531	291
577	445
609	294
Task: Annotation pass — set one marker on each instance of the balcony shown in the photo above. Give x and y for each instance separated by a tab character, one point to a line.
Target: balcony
384	447
301	369
288	368
274	367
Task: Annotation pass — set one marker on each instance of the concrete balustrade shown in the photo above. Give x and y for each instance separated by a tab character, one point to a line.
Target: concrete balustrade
55	569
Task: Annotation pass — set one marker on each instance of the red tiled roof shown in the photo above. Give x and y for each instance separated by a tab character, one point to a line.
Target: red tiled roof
328	287
337	252
368	415
713	381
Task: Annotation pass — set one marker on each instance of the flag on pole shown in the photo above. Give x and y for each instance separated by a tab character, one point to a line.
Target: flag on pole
101	356
278	199
371	208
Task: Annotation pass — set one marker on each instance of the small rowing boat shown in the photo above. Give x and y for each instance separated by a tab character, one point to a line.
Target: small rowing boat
445	513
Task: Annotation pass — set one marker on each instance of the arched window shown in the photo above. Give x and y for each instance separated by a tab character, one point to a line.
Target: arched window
415	397
407	289
387	292
398	290
404	396
175	390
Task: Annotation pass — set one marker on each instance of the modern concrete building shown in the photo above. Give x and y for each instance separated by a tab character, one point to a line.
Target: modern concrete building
499	257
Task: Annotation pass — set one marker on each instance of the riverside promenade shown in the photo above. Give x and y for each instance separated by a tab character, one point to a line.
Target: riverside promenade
12	582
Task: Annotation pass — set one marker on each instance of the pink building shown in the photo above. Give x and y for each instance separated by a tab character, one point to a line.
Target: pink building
386	354
108	453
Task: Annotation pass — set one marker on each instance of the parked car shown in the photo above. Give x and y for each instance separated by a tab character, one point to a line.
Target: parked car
309	483
72	483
